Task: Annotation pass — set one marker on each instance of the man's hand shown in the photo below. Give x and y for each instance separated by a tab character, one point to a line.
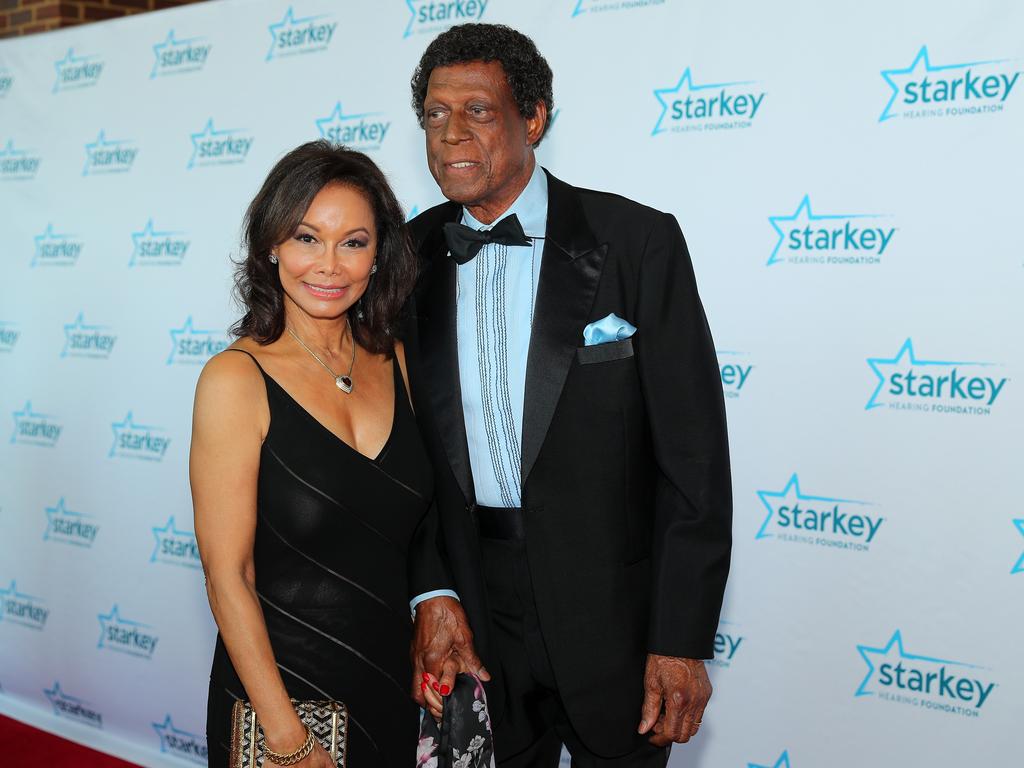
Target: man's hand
683	686
442	647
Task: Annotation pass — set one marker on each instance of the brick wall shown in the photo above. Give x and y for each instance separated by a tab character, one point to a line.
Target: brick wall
26	17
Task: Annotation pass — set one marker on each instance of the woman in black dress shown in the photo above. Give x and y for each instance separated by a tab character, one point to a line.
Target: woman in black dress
308	476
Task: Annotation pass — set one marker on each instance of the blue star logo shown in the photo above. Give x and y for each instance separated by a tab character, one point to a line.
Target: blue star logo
171	532
10	151
55	694
69	60
338	117
80	326
147	233
61	511
114	619
128	425
287	22
188	331
1018	567
208	132
179	742
12	593
102	143
803	213
792	491
49	236
906	352
170	43
27	414
896	641
782	762
922	58
686	80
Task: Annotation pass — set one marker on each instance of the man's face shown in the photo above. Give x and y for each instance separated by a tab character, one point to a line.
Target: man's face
479	148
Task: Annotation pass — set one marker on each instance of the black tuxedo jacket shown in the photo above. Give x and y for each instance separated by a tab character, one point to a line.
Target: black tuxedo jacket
625	465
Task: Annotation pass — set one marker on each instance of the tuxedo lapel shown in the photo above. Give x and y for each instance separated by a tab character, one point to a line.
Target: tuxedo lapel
440	353
570	272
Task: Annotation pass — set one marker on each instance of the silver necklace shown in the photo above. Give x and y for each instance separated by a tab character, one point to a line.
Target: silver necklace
342	382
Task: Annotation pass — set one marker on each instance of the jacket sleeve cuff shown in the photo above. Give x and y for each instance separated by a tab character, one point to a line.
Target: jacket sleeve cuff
428	595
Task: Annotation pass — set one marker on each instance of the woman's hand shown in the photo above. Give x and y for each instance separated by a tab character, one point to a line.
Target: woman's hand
318	758
431	689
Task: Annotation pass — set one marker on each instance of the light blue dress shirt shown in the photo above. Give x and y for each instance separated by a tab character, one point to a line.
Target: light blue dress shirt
495	294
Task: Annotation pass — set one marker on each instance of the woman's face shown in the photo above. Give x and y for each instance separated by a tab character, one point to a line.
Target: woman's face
325	264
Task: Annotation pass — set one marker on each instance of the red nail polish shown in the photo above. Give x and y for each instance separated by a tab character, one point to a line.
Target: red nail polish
423	687
445	690
436	687
426	678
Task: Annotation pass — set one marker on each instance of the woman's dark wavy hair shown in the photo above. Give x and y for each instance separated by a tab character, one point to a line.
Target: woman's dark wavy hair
275	213
527	72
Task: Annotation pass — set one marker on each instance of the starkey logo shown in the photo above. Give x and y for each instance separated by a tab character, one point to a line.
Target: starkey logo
158	248
176	57
84	340
728	640
194	346
72	707
6	81
225	146
21	609
137	441
292	36
436	15
926	90
175	547
781	762
174	741
69	527
126	636
109	155
931	683
1018	567
908	383
31	428
18	164
823	521
53	249
9	335
734	369
687	106
77	72
581	7
834	238
365	131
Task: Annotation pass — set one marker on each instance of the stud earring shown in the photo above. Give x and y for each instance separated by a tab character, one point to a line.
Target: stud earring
273	258
373	269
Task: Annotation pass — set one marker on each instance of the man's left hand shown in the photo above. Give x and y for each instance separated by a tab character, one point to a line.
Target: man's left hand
682	686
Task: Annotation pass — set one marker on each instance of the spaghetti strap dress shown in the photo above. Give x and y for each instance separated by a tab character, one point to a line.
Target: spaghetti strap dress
332	537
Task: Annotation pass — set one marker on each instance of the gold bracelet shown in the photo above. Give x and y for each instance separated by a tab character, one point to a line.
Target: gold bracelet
291	758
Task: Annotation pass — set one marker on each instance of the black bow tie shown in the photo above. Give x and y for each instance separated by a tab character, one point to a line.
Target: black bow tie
465	243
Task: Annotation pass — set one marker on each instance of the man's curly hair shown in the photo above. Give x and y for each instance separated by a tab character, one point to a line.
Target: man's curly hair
527	72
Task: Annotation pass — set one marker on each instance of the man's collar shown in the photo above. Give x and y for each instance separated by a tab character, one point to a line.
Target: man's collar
531	206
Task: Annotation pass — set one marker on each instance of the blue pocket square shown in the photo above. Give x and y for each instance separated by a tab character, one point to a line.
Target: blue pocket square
611	328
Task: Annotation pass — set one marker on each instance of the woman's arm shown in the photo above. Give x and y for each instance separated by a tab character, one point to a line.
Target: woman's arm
229	422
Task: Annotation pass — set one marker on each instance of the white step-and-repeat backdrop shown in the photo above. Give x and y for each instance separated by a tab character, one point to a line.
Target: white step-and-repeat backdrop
848	177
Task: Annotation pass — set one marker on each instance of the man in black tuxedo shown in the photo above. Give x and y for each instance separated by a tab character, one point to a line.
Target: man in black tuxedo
569	394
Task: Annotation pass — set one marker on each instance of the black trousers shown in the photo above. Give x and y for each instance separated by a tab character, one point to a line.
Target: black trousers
534	725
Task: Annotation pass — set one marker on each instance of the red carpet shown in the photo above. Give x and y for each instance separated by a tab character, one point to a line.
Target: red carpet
22	746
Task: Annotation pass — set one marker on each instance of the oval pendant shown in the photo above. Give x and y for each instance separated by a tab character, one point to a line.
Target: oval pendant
344	383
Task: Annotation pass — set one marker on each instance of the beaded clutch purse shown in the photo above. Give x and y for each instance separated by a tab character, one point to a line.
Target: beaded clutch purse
327	720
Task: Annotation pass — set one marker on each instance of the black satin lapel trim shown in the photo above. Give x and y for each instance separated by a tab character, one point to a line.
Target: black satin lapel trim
439	342
570	272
